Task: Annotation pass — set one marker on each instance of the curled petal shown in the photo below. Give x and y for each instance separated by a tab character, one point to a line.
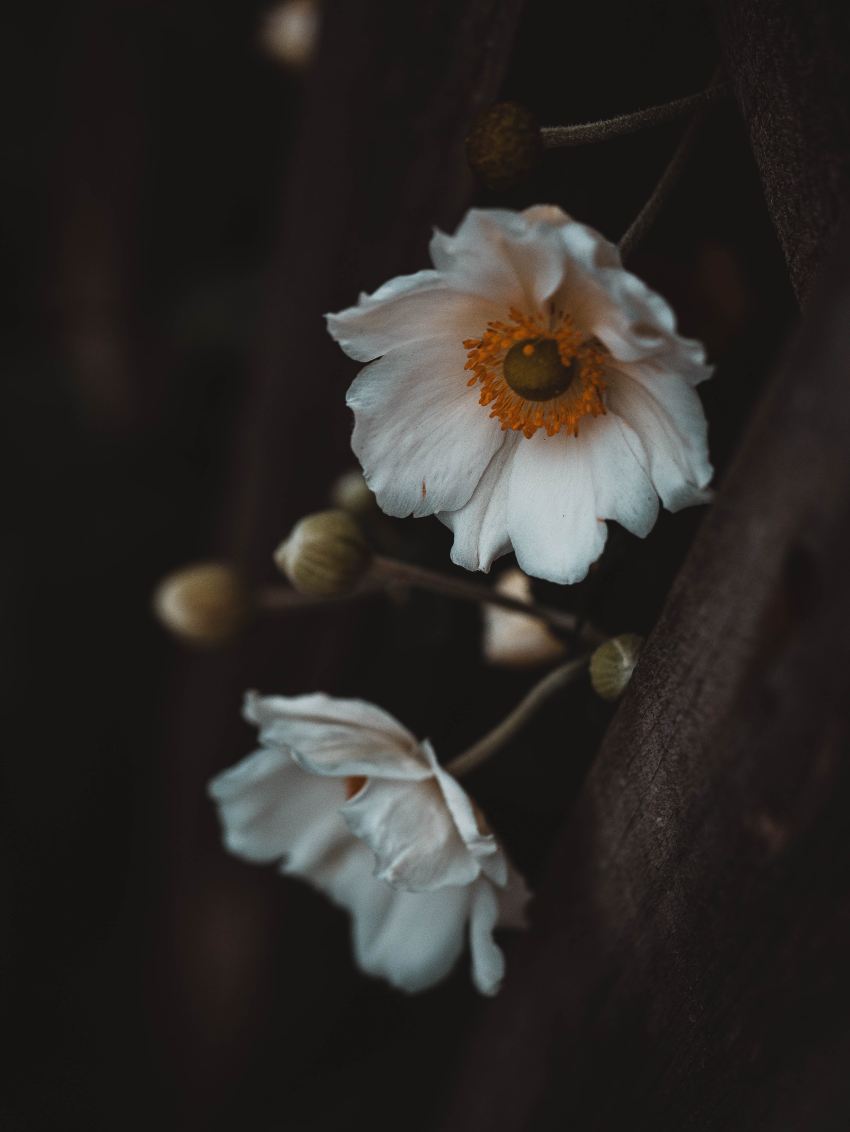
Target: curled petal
665	413
338	737
410	830
515	259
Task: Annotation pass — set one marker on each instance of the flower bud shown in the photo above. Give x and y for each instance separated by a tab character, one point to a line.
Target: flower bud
325	555
206	604
503	145
515	640
613	663
351	493
290	31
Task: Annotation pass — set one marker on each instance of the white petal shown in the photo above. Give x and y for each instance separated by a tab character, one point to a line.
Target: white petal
622	489
481	525
270	809
480	843
411	831
488	962
552	517
412	939
420	434
509	257
607	301
408	309
666	414
342	738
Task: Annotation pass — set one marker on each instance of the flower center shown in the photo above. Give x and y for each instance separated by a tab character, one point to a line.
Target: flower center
534	370
537	372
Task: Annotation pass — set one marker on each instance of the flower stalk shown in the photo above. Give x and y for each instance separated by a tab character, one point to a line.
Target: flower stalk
392	571
502	734
585	133
670	177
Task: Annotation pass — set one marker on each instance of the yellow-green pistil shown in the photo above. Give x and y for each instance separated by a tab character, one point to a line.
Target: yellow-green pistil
534	370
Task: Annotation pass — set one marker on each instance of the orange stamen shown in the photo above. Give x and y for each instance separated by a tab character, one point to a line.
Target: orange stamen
582	399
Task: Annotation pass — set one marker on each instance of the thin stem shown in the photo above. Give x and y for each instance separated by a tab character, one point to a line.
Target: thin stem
282	599
557	137
668	180
404	573
485	748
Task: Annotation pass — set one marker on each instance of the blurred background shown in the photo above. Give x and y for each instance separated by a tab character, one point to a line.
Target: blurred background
189	187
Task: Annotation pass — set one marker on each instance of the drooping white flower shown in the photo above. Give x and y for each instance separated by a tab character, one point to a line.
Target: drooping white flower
515	640
344	796
525	390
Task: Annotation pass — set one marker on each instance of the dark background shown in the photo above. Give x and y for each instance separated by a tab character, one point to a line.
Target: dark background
180	211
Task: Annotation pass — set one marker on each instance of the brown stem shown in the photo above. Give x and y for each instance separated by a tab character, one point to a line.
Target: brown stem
668	180
404	573
556	137
485	748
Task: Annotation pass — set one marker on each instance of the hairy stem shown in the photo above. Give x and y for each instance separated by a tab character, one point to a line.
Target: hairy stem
557	137
485	748
404	573
668	180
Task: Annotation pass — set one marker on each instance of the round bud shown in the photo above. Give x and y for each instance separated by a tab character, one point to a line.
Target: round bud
503	145
325	555
351	493
206	604
613	663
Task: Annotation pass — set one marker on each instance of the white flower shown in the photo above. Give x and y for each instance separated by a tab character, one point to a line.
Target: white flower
344	796
515	640
526	389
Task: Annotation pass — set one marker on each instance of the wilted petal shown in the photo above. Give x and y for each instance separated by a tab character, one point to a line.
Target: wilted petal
338	737
271	810
411	831
411	939
488	962
511	258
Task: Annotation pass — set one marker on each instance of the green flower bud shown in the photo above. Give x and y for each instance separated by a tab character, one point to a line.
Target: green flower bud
206	604
613	663
325	555
351	493
503	145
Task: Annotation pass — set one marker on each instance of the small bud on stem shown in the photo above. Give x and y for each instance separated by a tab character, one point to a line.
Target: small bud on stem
206	604
325	555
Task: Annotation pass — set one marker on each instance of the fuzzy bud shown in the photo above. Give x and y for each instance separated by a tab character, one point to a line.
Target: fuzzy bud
613	663
351	493
325	555
290	31
503	145
206	604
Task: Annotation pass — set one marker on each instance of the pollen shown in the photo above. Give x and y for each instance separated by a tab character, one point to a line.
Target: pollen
537	372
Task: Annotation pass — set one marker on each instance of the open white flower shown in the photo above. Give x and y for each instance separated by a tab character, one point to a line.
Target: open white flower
526	390
344	796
